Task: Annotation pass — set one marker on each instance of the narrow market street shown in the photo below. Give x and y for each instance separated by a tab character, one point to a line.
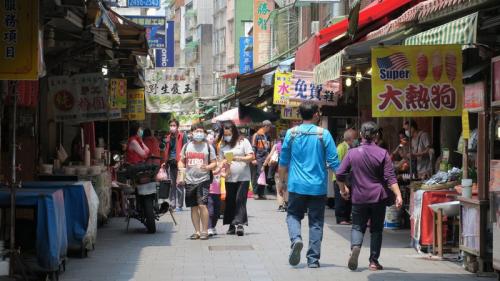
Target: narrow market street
260	255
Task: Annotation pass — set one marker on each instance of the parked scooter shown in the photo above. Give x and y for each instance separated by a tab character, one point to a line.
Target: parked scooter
141	192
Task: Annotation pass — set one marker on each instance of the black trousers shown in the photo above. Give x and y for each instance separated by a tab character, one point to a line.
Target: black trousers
361	214
235	212
342	207
257	188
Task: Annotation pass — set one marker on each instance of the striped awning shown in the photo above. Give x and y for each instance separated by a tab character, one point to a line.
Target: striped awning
330	69
462	31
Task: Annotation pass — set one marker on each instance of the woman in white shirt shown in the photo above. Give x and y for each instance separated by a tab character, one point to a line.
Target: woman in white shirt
238	153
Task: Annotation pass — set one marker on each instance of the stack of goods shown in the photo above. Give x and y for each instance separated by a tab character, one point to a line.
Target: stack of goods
443	180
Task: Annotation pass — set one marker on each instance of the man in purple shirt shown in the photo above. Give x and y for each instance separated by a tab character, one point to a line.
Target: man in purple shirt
371	171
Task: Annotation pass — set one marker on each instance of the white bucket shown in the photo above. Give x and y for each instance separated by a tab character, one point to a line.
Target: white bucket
392	218
467	188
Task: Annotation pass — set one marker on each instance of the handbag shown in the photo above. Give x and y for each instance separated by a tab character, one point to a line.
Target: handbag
162	175
262	178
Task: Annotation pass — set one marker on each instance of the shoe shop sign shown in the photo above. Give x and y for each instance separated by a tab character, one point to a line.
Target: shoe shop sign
417	81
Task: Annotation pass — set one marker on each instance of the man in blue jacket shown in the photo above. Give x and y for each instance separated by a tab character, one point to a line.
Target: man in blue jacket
307	152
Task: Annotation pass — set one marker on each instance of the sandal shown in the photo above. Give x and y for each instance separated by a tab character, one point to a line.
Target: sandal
375	266
204	236
195	236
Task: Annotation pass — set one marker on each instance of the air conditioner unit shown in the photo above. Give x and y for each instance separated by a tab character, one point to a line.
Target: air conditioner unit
314	27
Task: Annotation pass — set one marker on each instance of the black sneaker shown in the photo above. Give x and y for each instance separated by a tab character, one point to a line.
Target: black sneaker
239	230
294	257
353	260
231	230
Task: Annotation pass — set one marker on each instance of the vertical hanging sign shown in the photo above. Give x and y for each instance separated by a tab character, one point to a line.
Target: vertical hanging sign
19	40
262	31
118	93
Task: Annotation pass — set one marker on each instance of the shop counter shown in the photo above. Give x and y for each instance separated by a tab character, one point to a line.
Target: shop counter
102	187
81	205
51	241
422	216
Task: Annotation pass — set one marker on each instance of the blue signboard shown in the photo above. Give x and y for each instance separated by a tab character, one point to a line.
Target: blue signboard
144	3
246	55
155	29
164	57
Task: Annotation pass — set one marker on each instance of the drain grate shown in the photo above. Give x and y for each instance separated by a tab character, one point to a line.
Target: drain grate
231	248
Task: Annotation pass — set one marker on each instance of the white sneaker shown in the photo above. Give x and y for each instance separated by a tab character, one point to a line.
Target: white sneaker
211	232
214	231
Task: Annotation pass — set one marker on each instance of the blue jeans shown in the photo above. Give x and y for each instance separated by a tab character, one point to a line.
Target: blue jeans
214	202
298	204
361	213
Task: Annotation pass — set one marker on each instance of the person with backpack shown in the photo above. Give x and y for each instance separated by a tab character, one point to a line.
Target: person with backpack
371	171
307	152
197	161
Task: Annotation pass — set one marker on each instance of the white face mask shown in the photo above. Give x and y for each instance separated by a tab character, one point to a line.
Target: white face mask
407	133
199	137
173	129
228	138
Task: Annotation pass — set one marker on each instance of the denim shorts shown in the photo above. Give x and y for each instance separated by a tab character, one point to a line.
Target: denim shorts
197	194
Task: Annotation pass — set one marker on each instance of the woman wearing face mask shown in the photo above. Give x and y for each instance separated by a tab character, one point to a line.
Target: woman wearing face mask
238	153
137	151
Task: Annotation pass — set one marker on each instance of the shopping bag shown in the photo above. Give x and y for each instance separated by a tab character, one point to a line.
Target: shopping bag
162	175
223	188
262	179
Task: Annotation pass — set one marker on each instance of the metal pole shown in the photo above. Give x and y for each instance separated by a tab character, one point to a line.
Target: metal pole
13	189
359	109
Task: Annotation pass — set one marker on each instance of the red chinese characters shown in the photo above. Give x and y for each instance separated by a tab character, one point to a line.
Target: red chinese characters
419	98
444	97
390	96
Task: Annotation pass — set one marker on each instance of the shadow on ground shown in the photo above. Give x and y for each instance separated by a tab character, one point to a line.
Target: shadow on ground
396	276
391	238
118	252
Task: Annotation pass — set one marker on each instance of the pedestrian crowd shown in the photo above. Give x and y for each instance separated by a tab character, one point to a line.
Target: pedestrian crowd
212	172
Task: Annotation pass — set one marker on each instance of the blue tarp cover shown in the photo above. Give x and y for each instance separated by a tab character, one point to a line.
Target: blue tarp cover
51	240
76	207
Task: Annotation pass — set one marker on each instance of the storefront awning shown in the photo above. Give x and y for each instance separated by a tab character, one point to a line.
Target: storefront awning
373	12
462	31
308	55
330	69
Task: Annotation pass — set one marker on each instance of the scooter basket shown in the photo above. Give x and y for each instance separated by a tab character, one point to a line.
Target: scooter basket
164	190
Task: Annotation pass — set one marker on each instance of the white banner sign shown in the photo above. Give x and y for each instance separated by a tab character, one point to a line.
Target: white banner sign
169	90
79	98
